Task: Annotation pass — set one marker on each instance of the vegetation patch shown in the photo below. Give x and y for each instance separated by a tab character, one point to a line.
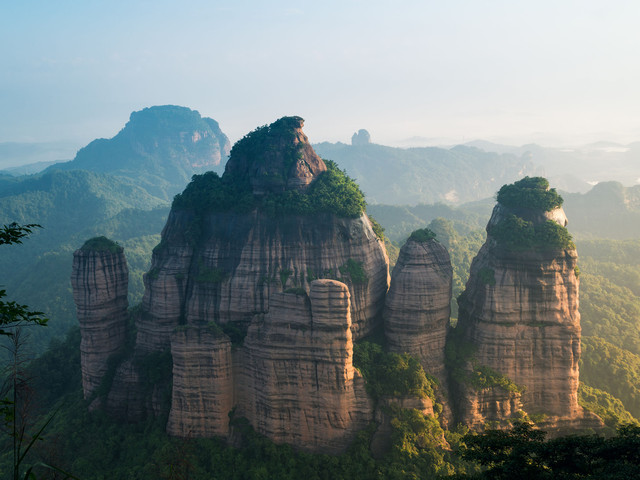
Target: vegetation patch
156	366
517	234
485	377
422	235
355	271
530	192
101	244
377	228
606	406
392	373
487	276
211	275
285	273
332	192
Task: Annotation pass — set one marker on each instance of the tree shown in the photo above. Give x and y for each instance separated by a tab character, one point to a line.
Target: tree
13	406
14	315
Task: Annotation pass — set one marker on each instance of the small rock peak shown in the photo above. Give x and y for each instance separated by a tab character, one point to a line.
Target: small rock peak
275	158
99	279
361	137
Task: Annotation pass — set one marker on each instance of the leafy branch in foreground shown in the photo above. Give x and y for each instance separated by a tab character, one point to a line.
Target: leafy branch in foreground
13	314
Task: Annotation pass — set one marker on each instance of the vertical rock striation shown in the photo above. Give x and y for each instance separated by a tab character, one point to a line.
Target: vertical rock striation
100	279
299	384
519	324
418	305
202	383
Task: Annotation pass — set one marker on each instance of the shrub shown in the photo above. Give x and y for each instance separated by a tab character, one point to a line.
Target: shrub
422	235
101	244
332	192
530	192
487	276
518	234
356	273
391	373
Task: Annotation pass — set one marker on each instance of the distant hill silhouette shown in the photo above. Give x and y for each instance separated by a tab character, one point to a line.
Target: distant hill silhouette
160	148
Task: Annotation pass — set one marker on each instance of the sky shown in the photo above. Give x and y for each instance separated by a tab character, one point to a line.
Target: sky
427	72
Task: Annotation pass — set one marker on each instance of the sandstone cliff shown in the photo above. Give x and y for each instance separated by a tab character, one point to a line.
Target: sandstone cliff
220	260
202	383
299	385
418	304
518	333
100	280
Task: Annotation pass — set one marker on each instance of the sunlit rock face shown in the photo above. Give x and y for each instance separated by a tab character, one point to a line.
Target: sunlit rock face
100	279
202	395
519	317
418	305
298	383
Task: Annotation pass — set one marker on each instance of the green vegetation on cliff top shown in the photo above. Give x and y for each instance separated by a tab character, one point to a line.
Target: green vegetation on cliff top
530	192
518	234
422	235
101	244
333	192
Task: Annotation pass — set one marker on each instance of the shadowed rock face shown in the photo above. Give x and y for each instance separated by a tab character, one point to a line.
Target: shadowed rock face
299	385
418	305
519	316
100	280
244	258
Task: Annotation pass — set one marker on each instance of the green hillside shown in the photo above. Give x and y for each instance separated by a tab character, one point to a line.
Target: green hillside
412	176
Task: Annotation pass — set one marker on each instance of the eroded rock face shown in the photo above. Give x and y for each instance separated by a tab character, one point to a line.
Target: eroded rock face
100	280
202	383
299	385
519	316
418	305
242	259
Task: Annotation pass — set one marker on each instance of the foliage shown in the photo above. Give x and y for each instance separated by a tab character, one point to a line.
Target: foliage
606	406
355	271
12	314
612	369
101	244
422	235
530	192
391	373
486	377
332	192
377	228
517	234
522	452
211	275
16	391
487	276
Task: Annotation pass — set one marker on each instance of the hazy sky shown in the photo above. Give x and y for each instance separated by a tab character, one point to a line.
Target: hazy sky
513	71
